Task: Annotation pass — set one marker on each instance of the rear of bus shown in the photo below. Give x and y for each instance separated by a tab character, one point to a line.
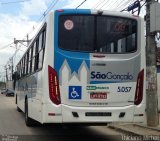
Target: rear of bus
99	67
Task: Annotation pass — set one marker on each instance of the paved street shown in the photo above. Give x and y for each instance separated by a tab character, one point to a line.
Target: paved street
12	123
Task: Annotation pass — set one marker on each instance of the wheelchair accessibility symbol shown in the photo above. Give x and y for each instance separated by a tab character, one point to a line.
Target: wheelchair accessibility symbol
75	92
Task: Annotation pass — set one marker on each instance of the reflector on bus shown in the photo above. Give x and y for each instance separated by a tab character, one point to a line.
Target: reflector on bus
139	88
54	91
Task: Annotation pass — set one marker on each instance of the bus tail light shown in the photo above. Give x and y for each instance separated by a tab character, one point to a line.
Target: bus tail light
139	88
54	91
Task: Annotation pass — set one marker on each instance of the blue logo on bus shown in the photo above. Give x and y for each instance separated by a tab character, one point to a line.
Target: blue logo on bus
75	92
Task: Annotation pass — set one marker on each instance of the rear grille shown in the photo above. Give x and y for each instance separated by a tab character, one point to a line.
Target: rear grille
96	114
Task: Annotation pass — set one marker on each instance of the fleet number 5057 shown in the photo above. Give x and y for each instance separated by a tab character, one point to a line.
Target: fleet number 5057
124	89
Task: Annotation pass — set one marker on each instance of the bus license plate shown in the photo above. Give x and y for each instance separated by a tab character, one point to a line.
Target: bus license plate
98	95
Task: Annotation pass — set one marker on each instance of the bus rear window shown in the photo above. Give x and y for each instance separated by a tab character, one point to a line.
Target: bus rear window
92	33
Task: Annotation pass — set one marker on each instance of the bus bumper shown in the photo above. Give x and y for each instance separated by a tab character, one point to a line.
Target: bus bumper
72	114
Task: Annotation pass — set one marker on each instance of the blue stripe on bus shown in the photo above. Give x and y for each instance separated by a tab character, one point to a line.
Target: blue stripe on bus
73	58
105	82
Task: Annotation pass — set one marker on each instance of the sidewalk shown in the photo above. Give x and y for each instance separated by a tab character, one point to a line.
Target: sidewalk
149	127
157	128
136	129
133	129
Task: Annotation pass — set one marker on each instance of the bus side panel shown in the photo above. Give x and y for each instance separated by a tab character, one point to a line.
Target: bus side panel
36	97
20	101
20	94
30	90
140	109
49	107
52	113
83	118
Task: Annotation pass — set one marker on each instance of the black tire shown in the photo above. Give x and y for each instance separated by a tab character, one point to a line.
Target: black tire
18	109
16	100
29	122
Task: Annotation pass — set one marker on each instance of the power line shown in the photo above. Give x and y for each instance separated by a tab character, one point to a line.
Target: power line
98	4
136	4
81	4
42	17
105	4
140	8
49	9
51	6
44	14
5	46
113	4
124	4
14	2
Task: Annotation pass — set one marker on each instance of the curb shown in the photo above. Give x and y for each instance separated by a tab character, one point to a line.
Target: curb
148	127
135	131
122	130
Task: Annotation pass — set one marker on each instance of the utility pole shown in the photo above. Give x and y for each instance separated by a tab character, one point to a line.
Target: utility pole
28	40
21	41
6	73
81	4
151	72
11	60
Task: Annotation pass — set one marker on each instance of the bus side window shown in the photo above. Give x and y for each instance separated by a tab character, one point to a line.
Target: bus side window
26	63
30	59
44	39
33	59
23	66
33	56
131	42
40	41
36	54
122	45
42	48
18	71
33	63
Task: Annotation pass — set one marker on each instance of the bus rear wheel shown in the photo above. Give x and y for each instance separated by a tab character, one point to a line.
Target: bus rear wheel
29	122
18	109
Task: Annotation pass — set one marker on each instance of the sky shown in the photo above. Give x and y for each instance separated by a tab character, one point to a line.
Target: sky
21	17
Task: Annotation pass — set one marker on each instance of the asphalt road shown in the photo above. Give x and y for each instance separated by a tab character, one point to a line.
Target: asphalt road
12	127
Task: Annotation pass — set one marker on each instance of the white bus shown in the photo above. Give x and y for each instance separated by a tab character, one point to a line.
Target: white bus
84	66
